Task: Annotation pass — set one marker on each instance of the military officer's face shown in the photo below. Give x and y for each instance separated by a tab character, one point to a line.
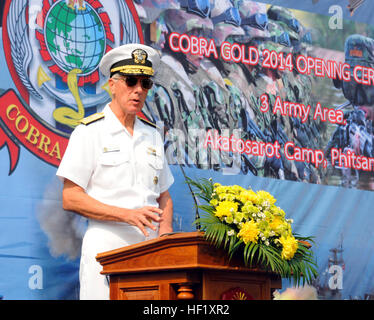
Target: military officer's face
129	92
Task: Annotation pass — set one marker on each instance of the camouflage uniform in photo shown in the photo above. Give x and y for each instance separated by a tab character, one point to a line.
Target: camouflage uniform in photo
150	10
359	50
191	111
239	79
287	21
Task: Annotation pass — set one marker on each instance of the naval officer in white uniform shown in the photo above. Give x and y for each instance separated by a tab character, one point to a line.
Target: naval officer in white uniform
114	168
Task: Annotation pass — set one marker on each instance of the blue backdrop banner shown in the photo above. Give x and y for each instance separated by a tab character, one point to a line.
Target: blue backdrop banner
272	95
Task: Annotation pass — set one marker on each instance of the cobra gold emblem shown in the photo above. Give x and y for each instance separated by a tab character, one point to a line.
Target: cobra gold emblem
139	56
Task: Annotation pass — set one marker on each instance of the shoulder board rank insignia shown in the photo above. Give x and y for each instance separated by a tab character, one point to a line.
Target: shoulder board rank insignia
92	118
147	122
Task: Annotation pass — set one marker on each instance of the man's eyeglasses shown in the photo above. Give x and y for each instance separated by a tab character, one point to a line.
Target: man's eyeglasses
132	81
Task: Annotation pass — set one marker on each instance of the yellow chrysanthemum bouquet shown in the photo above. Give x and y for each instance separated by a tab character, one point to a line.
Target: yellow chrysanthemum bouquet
246	222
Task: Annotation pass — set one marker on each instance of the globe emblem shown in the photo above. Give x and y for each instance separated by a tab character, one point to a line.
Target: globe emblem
75	37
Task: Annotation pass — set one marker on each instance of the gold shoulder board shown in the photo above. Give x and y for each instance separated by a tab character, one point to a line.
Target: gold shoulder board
147	122
92	118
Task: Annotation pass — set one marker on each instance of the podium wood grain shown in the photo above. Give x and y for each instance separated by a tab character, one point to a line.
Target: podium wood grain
181	266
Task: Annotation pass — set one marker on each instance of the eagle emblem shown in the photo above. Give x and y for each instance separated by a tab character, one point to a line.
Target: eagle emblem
139	56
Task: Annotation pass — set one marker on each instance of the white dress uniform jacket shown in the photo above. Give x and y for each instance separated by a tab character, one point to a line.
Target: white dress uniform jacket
120	170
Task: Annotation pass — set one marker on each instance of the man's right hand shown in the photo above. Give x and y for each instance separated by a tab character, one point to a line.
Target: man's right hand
143	218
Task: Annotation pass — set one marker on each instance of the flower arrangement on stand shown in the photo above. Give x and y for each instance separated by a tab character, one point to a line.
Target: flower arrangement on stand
248	223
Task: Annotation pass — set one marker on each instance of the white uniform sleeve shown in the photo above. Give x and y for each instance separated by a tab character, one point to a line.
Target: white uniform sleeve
78	161
166	177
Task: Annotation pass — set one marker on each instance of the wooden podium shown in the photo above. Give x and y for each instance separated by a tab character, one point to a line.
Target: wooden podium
182	266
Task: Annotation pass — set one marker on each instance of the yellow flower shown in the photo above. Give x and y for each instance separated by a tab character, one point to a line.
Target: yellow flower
213	202
239	216
226	209
277	211
229	219
221	189
277	224
265	196
249	208
249	232
226	196
248	196
237	189
290	246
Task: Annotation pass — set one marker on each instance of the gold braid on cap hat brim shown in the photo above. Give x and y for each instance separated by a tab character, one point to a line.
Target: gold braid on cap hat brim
132	69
